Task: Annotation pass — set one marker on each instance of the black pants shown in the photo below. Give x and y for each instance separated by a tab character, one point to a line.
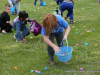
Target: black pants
59	38
6	26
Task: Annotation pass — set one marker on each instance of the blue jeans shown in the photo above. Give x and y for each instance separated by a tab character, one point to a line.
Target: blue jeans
59	38
18	7
41	4
25	32
66	6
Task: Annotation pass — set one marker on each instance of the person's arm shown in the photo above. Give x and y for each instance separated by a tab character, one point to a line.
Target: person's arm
10	23
46	39
67	30
29	20
10	1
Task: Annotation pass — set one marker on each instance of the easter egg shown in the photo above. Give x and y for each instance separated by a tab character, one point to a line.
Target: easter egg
45	68
15	67
39	72
81	69
36	71
32	71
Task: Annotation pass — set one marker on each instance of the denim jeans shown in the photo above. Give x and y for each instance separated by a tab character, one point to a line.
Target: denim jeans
18	7
25	32
66	6
40	2
59	38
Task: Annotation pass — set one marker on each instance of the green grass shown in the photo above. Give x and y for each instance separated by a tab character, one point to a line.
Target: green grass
33	54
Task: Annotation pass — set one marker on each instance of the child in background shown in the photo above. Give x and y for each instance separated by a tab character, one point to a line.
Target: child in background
13	4
19	24
67	5
5	23
53	26
40	3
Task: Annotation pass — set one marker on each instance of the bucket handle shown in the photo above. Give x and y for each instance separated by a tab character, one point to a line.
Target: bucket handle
67	44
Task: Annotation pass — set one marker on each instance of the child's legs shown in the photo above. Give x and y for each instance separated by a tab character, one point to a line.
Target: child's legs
35	2
49	48
18	38
59	38
25	31
70	11
41	4
15	12
7	27
62	8
18	7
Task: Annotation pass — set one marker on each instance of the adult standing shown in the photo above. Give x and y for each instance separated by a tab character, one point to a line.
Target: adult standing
13	4
41	4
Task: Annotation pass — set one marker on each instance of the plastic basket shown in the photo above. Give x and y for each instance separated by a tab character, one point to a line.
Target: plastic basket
44	3
65	54
12	9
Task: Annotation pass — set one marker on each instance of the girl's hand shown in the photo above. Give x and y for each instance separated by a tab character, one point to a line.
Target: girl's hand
33	19
24	40
65	37
56	49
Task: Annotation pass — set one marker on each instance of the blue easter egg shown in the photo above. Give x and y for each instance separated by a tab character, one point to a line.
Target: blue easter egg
86	44
39	72
45	68
32	71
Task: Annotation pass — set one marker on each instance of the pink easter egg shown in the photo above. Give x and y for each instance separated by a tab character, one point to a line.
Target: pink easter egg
66	63
81	34
77	44
85	29
36	71
81	69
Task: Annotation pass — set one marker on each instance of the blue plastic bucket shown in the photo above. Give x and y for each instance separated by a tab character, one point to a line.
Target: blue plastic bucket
44	3
65	54
12	9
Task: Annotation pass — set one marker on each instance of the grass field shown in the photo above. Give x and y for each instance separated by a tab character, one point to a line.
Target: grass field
33	54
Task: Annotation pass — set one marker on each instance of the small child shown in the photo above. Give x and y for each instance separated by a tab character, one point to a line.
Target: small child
19	24
40	3
67	5
5	23
53	26
13	4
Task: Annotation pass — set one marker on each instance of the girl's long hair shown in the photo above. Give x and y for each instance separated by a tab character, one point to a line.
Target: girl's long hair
49	22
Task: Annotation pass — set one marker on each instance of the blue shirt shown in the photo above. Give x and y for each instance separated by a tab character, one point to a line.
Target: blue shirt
19	25
61	25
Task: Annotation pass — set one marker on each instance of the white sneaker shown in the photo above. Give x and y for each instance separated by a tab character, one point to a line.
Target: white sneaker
14	37
19	41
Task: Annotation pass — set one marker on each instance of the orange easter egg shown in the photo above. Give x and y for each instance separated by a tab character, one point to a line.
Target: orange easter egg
15	67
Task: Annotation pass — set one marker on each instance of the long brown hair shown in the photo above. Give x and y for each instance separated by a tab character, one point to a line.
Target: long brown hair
49	23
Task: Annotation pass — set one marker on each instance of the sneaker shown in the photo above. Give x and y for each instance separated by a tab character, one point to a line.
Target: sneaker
19	41
14	37
34	5
71	22
41	6
52	63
